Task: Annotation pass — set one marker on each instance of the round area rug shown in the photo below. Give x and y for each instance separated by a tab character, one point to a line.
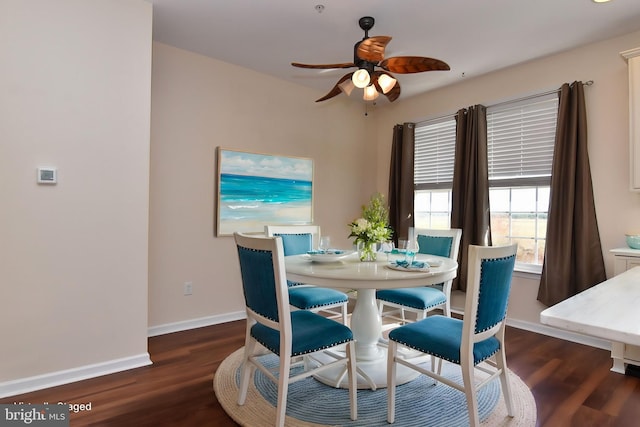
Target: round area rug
419	403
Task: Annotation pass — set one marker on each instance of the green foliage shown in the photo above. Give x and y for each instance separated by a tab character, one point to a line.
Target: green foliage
376	212
373	226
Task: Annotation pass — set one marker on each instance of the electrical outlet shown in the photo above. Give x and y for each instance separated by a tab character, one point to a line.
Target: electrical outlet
188	288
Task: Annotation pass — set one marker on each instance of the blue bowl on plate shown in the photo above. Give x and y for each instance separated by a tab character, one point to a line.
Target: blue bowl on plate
633	241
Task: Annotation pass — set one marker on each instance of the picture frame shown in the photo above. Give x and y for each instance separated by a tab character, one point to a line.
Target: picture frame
255	189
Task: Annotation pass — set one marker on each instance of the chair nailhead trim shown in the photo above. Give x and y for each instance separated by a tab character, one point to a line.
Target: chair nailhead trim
273	350
457	362
324	305
480	291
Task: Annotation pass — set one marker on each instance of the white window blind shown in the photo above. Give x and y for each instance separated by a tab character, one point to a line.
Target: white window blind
520	139
434	152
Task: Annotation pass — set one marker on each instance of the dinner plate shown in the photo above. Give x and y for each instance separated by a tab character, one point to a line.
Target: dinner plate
397	267
434	262
328	257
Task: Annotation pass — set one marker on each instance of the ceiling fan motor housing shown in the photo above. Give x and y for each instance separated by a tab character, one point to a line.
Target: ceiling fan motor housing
362	63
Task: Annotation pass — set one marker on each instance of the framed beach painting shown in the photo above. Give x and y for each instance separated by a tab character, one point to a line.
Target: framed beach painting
259	189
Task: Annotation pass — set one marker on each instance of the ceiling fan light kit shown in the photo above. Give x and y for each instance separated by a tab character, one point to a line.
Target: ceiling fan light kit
370	93
361	78
369	54
347	86
386	83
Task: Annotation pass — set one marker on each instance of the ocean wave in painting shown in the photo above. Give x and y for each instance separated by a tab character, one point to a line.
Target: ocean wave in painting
249	200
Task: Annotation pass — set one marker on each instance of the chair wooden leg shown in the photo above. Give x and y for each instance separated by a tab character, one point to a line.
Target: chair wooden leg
344	314
353	381
447	308
501	362
446	288
391	381
247	371
437	369
283	389
470	392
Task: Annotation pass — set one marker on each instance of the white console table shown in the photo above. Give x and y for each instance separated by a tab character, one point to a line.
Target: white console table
625	259
609	311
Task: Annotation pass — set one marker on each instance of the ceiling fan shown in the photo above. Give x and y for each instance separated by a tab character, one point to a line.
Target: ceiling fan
369	54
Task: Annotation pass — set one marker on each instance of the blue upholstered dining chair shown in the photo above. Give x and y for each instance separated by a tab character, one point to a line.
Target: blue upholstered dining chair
421	300
288	334
468	342
298	239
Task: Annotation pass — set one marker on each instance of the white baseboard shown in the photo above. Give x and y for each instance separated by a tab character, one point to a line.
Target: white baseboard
53	379
185	325
559	333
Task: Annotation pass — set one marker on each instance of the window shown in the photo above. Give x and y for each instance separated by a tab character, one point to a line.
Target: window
435	142
432	209
520	141
519	214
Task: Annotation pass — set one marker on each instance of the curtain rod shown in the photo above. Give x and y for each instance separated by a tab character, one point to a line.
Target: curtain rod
524	98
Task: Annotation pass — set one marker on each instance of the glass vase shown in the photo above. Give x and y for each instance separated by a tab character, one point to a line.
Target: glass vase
367	251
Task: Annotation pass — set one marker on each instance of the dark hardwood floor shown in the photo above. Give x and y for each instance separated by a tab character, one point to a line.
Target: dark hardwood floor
571	383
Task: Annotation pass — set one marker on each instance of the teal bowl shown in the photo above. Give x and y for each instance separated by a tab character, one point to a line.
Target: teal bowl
633	240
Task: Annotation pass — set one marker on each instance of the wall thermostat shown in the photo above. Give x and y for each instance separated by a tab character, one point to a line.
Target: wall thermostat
47	176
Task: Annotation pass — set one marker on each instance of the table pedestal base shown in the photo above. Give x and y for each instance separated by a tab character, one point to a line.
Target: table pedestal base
371	374
371	351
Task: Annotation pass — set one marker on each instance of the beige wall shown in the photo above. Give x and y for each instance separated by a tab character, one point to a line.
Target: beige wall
617	208
75	83
198	104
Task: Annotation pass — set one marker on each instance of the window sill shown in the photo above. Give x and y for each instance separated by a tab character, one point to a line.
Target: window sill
527	271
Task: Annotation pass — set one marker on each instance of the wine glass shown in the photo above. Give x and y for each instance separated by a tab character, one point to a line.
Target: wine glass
411	251
388	247
325	244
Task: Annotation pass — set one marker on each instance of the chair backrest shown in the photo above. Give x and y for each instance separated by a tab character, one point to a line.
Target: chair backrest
490	269
264	280
445	243
296	239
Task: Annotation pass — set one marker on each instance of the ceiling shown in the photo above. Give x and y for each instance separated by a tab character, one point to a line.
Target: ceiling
473	37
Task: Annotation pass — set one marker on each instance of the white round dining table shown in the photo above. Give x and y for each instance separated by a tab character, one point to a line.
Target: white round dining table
366	323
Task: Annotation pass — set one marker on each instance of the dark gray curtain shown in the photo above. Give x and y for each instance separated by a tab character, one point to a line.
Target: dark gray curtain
573	258
470	190
401	180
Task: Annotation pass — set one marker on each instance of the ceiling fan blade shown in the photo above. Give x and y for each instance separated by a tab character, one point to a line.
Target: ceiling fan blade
394	93
372	49
413	64
336	89
324	66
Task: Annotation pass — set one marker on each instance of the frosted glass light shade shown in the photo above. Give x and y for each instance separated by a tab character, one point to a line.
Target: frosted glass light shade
346	87
386	82
370	93
361	78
